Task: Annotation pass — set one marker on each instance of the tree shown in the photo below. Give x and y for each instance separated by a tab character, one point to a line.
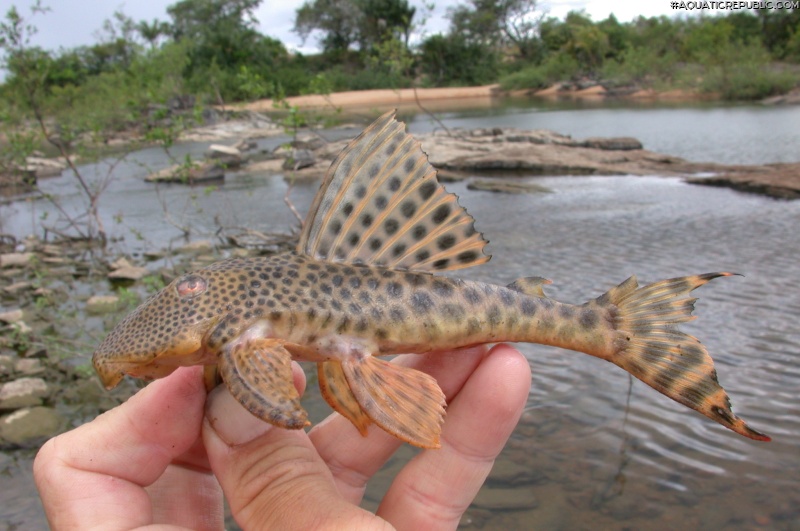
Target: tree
221	31
370	24
499	24
384	20
151	32
338	20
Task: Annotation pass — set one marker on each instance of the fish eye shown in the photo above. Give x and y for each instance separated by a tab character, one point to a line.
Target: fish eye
191	286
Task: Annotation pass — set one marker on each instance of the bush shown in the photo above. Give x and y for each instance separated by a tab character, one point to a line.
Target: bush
557	67
748	75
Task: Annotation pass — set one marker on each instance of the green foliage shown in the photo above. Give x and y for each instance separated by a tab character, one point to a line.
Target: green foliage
453	60
366	24
557	67
749	77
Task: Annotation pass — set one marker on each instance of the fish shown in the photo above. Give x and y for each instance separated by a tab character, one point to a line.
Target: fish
366	280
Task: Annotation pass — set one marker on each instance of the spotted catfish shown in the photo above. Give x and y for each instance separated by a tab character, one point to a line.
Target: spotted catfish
362	282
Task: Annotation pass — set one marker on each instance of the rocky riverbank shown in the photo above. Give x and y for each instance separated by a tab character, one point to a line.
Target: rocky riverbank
463	154
57	300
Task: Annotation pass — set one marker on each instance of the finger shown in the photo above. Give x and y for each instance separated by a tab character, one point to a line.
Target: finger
95	474
187	494
354	459
273	478
437	486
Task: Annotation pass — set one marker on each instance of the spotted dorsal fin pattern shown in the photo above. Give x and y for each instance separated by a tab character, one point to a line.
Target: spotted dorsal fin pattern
381	204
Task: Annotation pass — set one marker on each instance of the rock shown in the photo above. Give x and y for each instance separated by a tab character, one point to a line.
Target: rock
11	316
781	181
43	167
98	304
120	262
21	327
6	365
622	143
308	142
246	145
196	247
507	186
29	366
23	392
128	273
17	287
52	250
299	159
197	173
228	156
122	269
27	426
15	259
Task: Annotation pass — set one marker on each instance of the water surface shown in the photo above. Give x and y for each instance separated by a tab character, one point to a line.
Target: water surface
593	449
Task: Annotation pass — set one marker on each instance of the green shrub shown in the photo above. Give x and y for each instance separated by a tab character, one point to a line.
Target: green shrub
557	67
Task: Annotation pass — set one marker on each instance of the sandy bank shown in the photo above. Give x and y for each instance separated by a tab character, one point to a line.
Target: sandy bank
387	98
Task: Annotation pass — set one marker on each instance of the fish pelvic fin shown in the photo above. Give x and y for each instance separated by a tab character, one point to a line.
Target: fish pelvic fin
336	391
258	374
404	402
650	347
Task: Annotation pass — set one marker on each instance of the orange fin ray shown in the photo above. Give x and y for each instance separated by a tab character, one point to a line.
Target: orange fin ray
668	360
381	204
258	374
336	391
404	402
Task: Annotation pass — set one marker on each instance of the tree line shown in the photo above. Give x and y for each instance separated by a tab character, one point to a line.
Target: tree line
212	49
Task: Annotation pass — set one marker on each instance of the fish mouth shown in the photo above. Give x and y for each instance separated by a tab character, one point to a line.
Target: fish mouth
112	372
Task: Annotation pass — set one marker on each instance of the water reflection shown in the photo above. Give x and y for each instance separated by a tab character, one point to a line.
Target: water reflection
592	450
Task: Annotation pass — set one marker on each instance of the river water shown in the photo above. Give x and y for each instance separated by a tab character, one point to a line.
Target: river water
593	448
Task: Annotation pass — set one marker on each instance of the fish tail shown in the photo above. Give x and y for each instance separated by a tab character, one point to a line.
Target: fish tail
649	346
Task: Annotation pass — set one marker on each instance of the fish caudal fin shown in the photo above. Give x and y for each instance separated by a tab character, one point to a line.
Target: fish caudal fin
404	402
650	347
258	374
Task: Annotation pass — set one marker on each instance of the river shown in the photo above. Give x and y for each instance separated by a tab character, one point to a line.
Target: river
593	449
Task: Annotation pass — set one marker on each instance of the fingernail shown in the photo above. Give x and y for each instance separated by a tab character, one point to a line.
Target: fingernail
230	420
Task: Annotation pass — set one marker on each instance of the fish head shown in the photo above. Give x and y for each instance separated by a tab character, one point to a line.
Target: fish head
167	331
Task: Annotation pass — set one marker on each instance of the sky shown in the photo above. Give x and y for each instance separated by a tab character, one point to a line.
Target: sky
71	23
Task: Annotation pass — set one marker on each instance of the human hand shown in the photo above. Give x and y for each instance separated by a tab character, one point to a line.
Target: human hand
158	459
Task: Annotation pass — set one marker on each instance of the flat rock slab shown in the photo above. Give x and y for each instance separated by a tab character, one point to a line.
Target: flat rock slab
23	392
202	173
781	181
128	273
27	426
15	259
99	304
507	186
11	316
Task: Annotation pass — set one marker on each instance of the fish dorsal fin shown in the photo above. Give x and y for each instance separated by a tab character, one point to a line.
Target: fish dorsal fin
381	204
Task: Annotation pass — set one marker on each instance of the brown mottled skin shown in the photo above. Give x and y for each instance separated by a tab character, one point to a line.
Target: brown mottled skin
361	283
307	303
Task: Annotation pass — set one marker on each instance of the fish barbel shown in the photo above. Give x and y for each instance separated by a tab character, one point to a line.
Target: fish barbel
361	283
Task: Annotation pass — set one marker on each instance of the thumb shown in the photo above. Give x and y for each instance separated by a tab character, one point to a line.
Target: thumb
272	477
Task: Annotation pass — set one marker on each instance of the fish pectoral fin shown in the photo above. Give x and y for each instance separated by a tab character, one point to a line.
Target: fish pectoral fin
258	374
336	391
404	402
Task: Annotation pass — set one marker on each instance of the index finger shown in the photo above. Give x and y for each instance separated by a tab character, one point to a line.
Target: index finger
94	475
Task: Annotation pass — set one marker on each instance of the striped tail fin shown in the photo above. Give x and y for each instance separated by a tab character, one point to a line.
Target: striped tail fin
650	347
